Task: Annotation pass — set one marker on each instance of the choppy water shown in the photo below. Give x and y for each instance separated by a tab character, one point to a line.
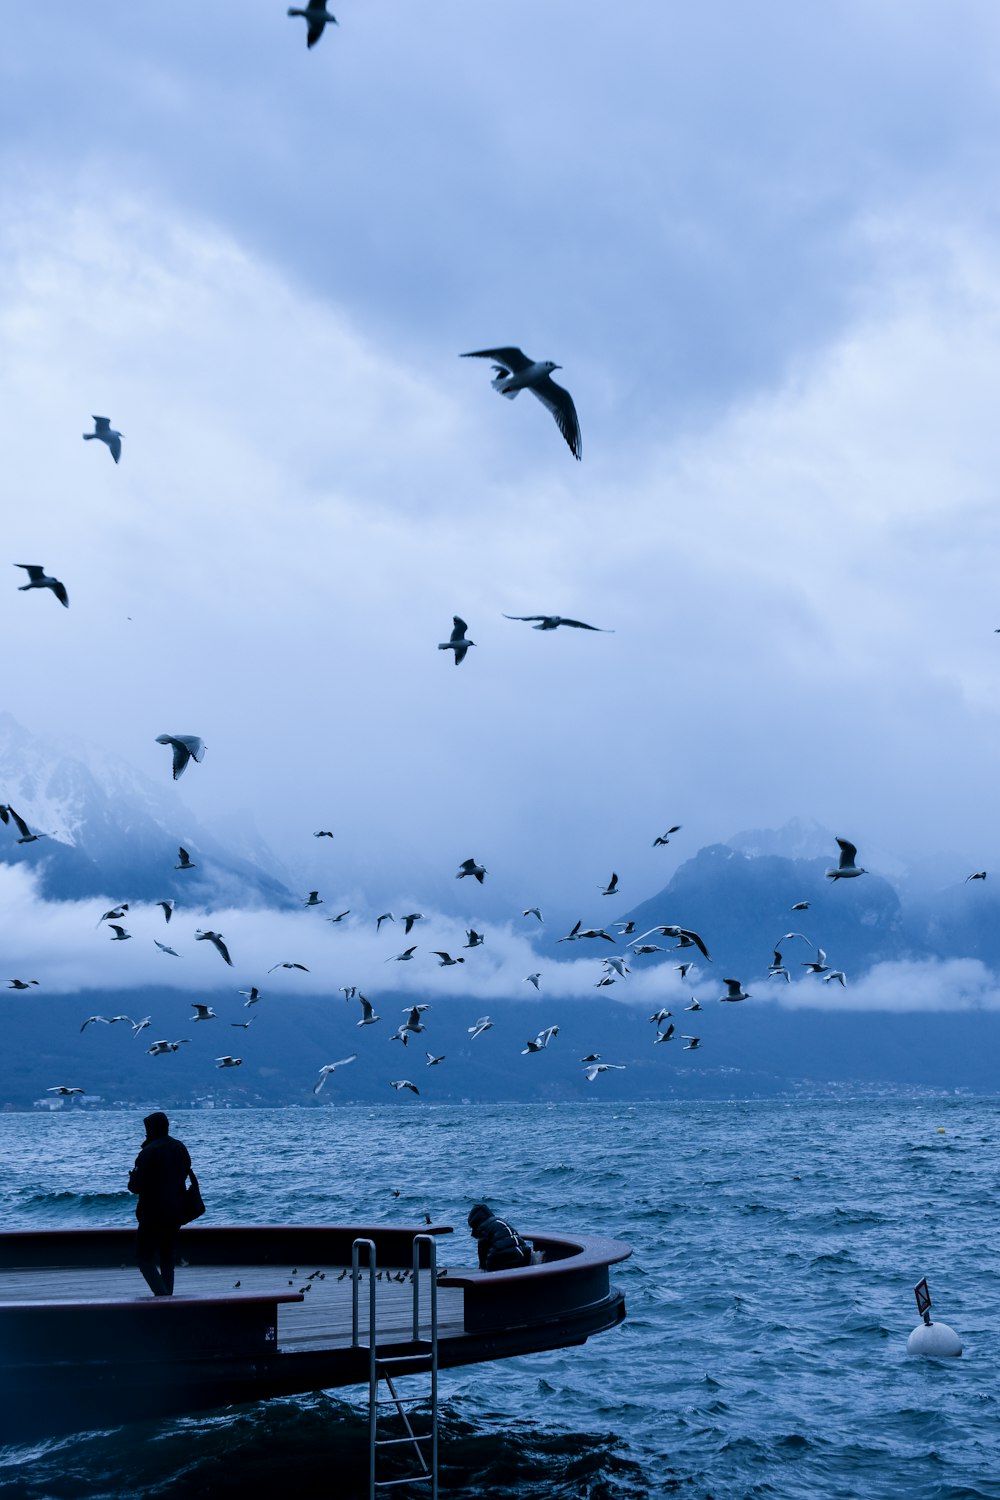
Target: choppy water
769	1296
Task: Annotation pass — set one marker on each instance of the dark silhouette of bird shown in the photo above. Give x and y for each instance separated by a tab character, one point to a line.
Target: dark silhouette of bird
39	579
457	641
105	433
217	942
316	17
515	372
185	747
552	622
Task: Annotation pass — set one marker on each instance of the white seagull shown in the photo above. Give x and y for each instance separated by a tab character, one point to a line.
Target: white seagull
166	948
847	867
595	1068
39	579
693	1042
552	622
611	889
475	939
316	18
64	1089
403	1083
216	939
329	1068
186	862
469	867
533	911
734	991
204	1012
532	979
105	433
167	908
514	372
368	1016
185	747
541	1041
160	1049
446	958
457	641
483	1024
229	1062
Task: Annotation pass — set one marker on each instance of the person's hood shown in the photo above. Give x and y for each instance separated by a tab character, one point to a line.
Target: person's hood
478	1214
156	1125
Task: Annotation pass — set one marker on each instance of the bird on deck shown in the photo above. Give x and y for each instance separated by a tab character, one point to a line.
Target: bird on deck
64	1090
664	838
185	747
368	1016
21	984
515	372
474	939
552	622
105	433
403	1083
329	1068
25	835
316	17
229	1062
847	868
446	959
202	1012
313	899
469	867
167	907
483	1024
186	862
120	935
401	958
217	942
39	579
457	641
734	992
288	964
165	948
611	889
596	1068
532	979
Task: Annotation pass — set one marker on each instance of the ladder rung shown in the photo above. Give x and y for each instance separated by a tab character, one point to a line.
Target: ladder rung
416	1438
402	1400
387	1484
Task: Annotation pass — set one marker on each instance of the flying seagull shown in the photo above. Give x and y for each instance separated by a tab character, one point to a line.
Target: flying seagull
160	1049
313	899
532	979
288	964
409	919
215	938
386	916
340	916
401	958
120	935
685	938
552	622
847	867
483	1024
167	907
469	867
252	995
693	1042
204	1012
664	838
475	939
596	1068
978	875
818	965
165	948
413	1014
39	579
186	862
533	911
457	641
433	1060
316	17
21	984
541	1041
611	889
329	1068
64	1089
105	433
664	1036
514	372
800	906
446	958
403	1083
229	1062
185	747
323	833
25	835
368	1017
734	991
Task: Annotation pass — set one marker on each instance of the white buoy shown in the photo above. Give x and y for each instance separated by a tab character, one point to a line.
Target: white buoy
935	1340
932	1340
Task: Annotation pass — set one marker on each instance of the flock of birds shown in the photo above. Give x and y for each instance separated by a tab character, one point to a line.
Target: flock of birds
513	372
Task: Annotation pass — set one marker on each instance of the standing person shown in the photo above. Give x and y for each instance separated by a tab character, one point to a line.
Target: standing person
159	1177
500	1246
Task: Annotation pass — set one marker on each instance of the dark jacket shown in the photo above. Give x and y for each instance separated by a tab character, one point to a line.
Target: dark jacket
160	1178
501	1248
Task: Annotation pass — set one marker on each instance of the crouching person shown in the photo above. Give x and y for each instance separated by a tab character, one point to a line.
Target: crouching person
501	1248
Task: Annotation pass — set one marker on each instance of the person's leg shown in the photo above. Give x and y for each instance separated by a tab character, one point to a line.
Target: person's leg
147	1252
168	1242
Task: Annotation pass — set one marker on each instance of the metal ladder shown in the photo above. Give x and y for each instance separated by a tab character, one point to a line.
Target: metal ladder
420	1357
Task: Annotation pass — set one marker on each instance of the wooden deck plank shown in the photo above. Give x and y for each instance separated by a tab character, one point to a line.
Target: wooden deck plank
323	1319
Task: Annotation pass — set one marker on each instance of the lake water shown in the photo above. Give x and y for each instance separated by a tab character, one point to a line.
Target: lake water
769	1296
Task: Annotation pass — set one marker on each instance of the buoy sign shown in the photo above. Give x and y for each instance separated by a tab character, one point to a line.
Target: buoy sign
922	1293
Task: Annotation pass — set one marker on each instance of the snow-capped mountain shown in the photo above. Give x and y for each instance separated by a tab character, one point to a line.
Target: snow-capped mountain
111	831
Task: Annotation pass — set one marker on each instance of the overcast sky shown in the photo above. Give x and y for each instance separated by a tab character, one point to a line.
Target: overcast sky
762	242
